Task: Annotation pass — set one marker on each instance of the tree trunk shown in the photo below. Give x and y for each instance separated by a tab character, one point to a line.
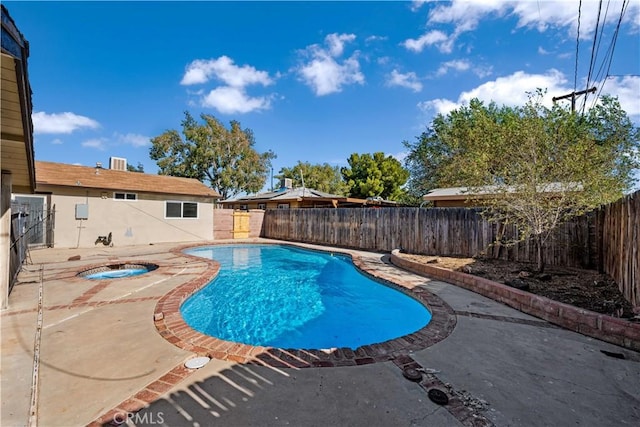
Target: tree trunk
540	254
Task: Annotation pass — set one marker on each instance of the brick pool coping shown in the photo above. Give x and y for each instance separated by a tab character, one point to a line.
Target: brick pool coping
596	325
172	327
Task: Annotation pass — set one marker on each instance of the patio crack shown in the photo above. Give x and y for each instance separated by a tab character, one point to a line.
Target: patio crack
465	408
520	321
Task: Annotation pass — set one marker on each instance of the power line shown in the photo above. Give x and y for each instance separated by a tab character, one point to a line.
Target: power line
593	48
575	74
611	49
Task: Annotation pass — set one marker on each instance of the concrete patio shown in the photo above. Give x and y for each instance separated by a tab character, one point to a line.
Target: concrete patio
98	349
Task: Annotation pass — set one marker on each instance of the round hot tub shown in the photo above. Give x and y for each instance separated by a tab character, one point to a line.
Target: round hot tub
118	271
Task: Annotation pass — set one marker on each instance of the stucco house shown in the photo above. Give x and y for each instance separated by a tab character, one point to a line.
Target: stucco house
16	146
135	208
287	197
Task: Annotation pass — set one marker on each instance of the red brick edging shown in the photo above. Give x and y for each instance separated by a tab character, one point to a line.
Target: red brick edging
606	328
170	324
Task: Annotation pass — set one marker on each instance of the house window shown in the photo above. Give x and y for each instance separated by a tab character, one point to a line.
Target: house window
283	205
262	206
244	207
181	210
125	196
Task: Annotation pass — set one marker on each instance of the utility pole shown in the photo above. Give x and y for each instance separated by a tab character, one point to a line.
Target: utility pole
573	95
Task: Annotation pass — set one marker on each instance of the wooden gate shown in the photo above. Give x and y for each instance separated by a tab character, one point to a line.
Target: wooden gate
241	225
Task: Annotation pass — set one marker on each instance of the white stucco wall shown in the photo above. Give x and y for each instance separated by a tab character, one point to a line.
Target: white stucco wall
138	222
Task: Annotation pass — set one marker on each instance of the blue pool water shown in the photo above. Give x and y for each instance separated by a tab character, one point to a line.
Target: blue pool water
287	297
116	274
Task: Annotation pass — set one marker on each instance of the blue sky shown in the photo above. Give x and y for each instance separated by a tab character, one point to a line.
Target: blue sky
315	81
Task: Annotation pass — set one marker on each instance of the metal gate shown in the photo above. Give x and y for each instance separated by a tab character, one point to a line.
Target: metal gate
32	225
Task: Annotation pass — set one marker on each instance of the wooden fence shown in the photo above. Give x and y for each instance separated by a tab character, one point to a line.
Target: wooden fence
441	231
619	251
606	239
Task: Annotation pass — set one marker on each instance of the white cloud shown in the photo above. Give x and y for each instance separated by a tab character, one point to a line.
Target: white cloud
462	65
417	4
134	139
375	38
465	16
57	141
408	80
97	143
508	90
223	69
458	65
438	106
442	41
512	90
541	15
232	96
336	43
230	100
542	51
61	122
325	73
399	156
626	89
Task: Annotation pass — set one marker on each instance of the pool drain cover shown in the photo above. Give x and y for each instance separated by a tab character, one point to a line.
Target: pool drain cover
196	362
438	396
412	374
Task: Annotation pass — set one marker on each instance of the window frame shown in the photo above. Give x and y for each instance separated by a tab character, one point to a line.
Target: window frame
182	203
125	195
284	205
262	206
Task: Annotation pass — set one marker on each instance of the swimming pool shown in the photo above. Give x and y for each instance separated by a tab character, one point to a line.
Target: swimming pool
286	297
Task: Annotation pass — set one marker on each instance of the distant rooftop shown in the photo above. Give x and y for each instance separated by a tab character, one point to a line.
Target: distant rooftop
457	193
61	174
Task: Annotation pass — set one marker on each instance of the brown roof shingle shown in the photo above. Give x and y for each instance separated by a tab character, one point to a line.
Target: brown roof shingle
61	174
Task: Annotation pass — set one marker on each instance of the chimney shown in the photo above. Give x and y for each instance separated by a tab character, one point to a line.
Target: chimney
118	163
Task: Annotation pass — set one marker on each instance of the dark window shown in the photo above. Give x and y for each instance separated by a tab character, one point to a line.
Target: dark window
181	210
189	210
174	210
125	196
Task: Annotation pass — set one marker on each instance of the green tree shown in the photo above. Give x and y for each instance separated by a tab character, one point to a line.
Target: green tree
224	158
374	175
322	177
139	168
544	165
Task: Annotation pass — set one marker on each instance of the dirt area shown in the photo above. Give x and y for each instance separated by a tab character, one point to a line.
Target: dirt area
581	288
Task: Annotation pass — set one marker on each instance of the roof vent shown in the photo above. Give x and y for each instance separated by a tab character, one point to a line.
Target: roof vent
118	163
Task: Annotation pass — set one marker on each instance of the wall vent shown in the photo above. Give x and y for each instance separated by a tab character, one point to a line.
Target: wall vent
118	163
